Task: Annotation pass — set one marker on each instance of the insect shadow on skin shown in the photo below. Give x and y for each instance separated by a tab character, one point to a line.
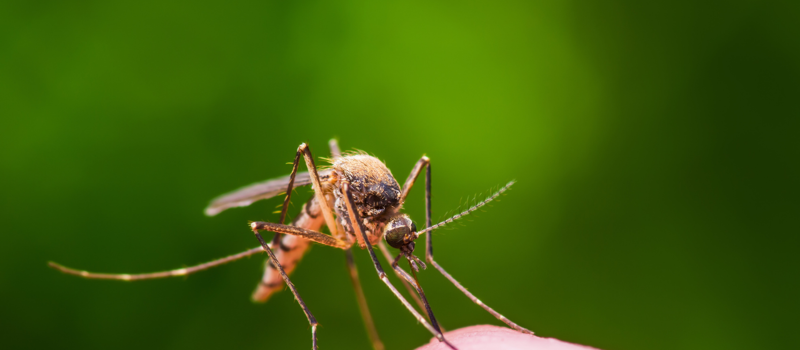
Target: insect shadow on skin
358	199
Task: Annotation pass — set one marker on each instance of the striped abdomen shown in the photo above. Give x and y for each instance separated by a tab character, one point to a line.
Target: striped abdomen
289	252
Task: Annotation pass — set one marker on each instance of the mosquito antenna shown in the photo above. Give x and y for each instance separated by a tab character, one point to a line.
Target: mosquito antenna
466	212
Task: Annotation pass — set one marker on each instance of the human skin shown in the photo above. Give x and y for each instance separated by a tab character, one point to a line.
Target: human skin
486	337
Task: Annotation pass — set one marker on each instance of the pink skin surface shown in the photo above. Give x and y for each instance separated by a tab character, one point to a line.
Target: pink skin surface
486	337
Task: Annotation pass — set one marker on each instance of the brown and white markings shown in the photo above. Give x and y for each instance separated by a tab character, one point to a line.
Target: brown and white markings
366	201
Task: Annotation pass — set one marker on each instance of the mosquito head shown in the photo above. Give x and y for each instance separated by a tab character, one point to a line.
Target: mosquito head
400	232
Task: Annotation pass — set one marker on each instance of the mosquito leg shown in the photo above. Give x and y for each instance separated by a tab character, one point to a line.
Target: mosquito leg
336	153
356	224
372	332
318	190
311	320
310	235
286	200
404	276
421	163
362	302
146	276
429	258
388	256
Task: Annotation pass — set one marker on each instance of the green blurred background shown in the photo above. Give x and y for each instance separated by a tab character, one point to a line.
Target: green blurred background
655	146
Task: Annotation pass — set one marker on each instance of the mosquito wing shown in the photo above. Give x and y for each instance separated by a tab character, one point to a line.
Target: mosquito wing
258	191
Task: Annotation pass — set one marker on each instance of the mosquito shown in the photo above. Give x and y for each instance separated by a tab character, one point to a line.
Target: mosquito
360	202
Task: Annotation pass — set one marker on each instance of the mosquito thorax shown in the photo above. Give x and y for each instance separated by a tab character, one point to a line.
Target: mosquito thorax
400	231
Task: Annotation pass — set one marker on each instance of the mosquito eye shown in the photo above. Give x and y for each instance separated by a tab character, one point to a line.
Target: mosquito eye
413	227
396	236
